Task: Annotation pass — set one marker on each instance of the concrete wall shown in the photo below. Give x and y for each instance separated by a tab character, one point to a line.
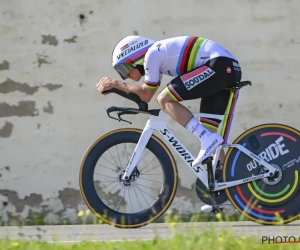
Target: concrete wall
52	54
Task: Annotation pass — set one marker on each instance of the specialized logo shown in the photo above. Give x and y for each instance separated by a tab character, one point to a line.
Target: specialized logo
271	152
128	50
210	146
253	178
180	149
197	76
228	70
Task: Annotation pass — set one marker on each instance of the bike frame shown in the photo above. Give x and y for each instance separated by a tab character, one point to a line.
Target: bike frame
159	123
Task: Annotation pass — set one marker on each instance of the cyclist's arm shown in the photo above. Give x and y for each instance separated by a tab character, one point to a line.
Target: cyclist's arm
144	93
152	77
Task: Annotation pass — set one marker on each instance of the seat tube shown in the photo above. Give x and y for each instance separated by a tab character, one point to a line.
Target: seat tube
229	114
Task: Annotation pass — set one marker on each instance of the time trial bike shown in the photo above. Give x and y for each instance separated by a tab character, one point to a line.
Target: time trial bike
128	177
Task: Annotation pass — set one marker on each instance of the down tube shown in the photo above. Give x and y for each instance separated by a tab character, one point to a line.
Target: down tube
184	154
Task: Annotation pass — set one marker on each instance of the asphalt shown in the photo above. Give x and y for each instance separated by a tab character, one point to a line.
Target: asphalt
77	233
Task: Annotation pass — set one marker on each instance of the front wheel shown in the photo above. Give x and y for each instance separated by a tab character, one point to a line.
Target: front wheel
142	199
269	201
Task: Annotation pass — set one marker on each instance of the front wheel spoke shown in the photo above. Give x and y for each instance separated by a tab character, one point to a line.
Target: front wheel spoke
107	167
110	162
109	184
113	187
149	170
137	197
149	180
146	193
147	187
126	152
152	174
114	159
147	164
143	195
143	157
120	200
106	176
119	156
130	201
109	181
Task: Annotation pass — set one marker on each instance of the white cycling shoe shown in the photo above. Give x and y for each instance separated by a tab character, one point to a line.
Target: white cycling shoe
209	208
208	146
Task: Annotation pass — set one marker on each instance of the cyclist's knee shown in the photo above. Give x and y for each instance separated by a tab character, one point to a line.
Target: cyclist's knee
163	98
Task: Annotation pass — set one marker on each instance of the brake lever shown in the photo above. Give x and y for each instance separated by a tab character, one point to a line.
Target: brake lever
108	113
120	119
112	109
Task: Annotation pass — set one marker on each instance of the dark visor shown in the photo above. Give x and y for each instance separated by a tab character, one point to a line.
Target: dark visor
123	70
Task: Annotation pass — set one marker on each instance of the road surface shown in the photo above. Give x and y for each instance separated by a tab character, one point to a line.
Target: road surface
77	233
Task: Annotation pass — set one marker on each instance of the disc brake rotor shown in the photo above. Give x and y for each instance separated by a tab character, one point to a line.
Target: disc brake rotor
274	179
132	179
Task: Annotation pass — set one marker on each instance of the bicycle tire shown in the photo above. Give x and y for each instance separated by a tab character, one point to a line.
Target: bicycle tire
264	201
101	210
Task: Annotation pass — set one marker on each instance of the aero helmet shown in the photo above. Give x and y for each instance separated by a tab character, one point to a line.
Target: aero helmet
129	53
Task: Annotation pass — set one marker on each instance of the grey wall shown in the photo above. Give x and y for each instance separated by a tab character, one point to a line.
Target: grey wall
52	54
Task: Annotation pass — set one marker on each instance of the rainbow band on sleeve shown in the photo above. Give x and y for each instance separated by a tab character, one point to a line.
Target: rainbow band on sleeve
151	85
188	54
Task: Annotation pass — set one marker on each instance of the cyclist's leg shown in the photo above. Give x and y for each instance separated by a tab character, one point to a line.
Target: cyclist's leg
198	83
215	104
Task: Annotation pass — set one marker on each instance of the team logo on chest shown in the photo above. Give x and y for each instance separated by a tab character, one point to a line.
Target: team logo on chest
197	76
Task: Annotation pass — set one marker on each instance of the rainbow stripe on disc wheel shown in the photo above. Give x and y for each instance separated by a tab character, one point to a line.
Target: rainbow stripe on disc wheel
261	201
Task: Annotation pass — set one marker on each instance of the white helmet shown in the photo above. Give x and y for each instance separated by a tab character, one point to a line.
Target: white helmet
129	53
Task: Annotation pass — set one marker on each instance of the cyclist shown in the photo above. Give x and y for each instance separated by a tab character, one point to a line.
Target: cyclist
201	69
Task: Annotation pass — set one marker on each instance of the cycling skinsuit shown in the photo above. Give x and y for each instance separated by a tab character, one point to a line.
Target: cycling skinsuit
202	69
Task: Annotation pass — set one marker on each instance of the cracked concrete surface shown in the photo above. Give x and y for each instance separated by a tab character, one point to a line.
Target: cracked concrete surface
24	108
54	53
4	65
71	40
9	85
6	130
50	40
48	108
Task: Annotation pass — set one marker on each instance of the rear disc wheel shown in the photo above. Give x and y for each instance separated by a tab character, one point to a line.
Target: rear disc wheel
273	200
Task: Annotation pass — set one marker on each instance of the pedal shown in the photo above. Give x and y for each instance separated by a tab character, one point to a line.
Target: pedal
217	209
213	209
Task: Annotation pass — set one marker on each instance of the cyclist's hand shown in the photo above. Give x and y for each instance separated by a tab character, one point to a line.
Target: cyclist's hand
105	83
